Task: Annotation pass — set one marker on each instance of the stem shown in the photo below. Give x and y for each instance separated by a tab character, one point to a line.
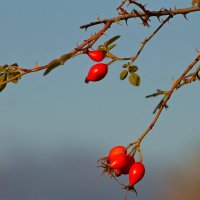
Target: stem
189	78
166	99
149	38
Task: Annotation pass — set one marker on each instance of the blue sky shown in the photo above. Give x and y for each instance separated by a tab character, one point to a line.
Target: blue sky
47	120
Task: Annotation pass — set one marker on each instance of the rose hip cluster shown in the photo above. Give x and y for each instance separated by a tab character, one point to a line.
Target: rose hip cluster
119	162
99	70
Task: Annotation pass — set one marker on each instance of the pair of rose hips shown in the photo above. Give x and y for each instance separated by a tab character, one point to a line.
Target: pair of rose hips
123	163
97	71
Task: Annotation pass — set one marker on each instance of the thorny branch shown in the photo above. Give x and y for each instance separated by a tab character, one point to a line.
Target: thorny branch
88	43
158	14
143	43
60	61
124	15
194	76
135	146
167	96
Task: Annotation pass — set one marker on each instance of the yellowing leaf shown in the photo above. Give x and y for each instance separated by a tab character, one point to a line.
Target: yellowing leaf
3	77
123	74
134	79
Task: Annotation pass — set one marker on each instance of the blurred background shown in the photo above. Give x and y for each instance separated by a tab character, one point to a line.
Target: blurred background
54	128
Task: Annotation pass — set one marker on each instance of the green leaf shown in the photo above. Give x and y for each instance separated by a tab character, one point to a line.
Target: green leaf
3	77
123	74
52	65
101	47
56	62
65	57
110	41
111	46
125	65
134	79
132	69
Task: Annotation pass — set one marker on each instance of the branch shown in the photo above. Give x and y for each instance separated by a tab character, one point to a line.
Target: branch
56	62
159	13
7	74
164	102
192	77
149	38
121	5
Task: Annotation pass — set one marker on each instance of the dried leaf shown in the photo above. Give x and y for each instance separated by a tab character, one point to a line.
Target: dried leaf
3	77
2	69
196	3
12	75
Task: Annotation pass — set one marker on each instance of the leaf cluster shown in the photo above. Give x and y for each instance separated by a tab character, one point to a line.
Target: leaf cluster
108	45
129	71
9	73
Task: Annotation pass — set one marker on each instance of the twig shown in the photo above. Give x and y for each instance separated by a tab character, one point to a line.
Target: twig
142	7
165	100
194	76
121	5
149	38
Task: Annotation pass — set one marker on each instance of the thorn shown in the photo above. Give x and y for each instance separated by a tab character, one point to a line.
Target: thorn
145	5
198	75
158	17
36	66
98	18
161	9
126	20
166	106
185	16
173	81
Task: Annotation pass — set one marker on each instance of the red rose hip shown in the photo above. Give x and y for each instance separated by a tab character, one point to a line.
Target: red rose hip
130	162
97	72
136	173
96	55
118	162
115	151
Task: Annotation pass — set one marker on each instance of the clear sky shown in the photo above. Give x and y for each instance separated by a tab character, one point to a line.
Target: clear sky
54	128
